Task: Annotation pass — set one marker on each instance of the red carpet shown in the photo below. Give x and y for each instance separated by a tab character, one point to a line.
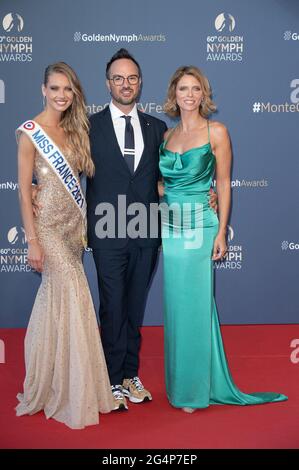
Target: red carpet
259	358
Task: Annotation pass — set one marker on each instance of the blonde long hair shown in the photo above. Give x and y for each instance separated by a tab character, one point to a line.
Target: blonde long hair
206	108
74	120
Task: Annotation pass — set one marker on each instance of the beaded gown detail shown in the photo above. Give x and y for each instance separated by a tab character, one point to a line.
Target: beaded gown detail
66	373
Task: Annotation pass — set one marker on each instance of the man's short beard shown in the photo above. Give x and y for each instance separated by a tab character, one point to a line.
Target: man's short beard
123	101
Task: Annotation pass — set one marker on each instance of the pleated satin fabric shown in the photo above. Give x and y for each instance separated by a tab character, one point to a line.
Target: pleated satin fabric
197	373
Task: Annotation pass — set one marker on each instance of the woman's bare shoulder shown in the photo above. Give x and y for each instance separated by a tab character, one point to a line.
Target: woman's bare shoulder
168	132
218	130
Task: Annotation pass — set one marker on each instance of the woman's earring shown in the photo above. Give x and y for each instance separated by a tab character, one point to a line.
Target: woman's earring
44	101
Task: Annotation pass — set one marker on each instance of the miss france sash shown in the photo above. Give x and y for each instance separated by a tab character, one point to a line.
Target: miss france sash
57	161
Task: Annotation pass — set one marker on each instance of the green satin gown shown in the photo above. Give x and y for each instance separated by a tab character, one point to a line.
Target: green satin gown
197	373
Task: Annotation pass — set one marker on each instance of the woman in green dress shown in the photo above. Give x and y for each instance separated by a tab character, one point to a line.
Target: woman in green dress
196	368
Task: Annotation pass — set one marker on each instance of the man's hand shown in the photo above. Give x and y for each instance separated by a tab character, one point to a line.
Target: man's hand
34	192
161	188
213	201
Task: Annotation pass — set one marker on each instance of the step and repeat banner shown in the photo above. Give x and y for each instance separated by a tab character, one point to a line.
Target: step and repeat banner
250	52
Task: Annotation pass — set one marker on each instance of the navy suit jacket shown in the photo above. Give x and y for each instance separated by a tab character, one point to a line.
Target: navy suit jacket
113	178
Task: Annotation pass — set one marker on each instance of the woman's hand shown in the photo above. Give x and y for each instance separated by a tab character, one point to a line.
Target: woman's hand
220	247
36	255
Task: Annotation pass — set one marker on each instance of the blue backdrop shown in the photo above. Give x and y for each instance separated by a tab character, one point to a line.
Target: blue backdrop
250	52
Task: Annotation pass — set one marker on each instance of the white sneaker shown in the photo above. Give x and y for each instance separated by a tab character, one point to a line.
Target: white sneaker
120	402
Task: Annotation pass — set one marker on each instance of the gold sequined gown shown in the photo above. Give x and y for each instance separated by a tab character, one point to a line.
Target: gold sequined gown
66	374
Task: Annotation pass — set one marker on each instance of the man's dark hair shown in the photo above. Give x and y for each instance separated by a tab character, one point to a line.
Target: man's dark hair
122	54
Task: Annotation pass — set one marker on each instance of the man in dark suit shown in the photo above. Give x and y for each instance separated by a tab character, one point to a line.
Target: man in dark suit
125	149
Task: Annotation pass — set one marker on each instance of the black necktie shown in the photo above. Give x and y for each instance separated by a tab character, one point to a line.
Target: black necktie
129	150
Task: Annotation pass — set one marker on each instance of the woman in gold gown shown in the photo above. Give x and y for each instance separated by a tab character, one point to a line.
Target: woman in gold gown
66	374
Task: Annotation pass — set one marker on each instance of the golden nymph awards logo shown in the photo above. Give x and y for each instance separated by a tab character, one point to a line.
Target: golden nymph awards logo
13	46
13	258
224	46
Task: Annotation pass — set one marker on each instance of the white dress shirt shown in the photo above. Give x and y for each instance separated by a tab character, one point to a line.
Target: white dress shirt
119	125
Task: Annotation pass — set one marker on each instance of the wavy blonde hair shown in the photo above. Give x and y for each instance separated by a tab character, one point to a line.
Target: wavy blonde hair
206	108
74	120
